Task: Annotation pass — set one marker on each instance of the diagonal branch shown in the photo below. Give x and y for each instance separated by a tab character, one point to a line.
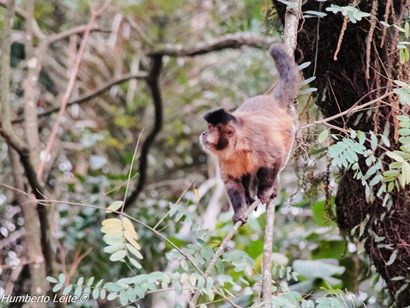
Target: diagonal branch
234	41
70	86
351	110
221	249
92	94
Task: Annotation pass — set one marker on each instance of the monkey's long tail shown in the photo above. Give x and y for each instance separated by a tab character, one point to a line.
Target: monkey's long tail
289	83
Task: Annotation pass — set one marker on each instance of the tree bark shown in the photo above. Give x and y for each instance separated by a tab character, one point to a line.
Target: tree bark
32	233
342	81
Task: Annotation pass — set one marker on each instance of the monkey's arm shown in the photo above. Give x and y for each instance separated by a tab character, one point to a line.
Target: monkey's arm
236	194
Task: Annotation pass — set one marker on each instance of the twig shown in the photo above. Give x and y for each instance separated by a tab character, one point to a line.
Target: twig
73	76
75	30
221	249
352	109
236	40
92	94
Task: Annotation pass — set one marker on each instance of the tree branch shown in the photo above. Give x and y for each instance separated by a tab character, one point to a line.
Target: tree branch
66	96
221	249
351	110
153	83
233	41
13	140
75	30
92	94
290	39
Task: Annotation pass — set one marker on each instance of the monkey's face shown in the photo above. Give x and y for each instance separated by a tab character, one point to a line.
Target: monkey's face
218	137
221	130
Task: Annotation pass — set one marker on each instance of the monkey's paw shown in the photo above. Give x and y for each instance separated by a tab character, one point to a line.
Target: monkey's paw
240	216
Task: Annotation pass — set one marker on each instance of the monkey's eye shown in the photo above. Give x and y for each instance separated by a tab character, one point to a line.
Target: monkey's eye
209	126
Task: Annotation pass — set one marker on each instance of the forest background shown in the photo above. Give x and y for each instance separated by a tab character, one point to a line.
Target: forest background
101	100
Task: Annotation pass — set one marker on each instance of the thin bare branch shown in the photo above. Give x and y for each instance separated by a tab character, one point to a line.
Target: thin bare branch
233	41
221	249
67	93
67	33
92	94
351	110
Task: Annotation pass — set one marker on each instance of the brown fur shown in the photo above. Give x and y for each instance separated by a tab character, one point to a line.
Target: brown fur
254	141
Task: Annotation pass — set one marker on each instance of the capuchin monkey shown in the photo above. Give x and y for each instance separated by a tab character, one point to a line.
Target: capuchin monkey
253	142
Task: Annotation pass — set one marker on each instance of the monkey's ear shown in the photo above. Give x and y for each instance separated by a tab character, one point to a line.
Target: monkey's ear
219	116
230	130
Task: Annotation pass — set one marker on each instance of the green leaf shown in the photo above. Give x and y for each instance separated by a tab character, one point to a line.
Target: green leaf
392	258
323	135
62	278
304	65
307	81
375	180
114	248
119	255
135	263
139	291
90	281
373	140
80	281
114	206
385	140
78	291
308	90
406	172
51	279
113	287
132	295
123	297
96	293
395	156
134	251
112	296
58	287
184	265
67	289
402	56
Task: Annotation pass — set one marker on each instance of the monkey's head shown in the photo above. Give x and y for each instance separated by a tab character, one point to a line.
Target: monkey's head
221	131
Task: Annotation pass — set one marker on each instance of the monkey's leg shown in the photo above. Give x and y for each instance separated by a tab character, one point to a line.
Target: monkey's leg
247	182
268	183
236	194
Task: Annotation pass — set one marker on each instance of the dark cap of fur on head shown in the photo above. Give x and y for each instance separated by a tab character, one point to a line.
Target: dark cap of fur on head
219	116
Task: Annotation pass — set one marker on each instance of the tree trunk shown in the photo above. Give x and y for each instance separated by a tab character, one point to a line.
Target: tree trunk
360	71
